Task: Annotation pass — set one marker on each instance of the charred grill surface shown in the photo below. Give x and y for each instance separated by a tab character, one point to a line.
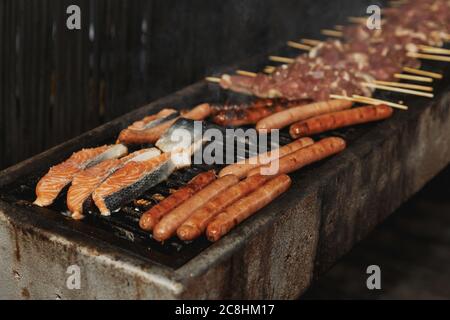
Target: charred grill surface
121	229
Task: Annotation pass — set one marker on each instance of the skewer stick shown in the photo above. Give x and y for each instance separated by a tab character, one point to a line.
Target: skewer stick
246	73
413	78
332	33
357	19
428	56
281	59
213	79
299	46
362	20
404	85
379	101
400	90
429	49
423	73
269	69
339	27
371	101
311	42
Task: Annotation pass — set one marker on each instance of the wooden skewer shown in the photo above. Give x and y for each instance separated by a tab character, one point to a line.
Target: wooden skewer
281	59
357	19
404	85
428	49
423	73
213	79
400	90
371	101
299	46
379	101
428	56
269	69
339	27
332	33
246	73
311	42
413	78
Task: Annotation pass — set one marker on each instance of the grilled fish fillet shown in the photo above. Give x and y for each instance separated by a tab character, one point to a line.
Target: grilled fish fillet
61	175
132	180
85	182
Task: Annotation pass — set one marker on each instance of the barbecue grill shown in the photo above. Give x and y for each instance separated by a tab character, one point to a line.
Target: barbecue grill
274	254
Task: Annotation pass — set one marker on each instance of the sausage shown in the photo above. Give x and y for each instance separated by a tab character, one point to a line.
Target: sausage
196	224
169	224
152	135
251	115
247	206
241	168
151	217
284	118
340	119
258	103
300	158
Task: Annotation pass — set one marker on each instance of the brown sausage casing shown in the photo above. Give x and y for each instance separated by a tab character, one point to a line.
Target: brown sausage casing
151	217
339	119
300	158
196	224
247	206
169	224
242	168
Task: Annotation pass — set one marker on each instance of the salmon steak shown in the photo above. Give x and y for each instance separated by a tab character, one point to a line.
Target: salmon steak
135	132
61	175
86	181
133	179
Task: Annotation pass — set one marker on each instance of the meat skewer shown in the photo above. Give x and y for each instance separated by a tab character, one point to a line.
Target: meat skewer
339	119
151	217
363	56
247	206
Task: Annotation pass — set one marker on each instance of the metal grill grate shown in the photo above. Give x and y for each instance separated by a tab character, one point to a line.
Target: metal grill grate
121	228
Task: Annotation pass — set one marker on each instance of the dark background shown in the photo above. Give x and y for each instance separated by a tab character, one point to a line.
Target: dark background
56	83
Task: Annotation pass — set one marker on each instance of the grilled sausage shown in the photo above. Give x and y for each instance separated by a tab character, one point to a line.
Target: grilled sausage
169	224
247	206
300	158
284	118
196	224
151	217
339	119
251	115
241	168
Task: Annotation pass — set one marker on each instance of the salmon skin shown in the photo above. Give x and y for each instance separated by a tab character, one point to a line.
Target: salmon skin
61	175
133	179
86	181
184	134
